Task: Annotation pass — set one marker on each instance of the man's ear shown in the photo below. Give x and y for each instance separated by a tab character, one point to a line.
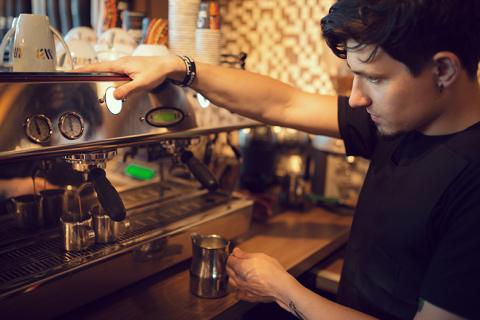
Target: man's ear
447	67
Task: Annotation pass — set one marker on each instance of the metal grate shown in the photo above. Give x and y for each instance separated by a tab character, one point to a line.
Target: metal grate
33	259
163	215
36	260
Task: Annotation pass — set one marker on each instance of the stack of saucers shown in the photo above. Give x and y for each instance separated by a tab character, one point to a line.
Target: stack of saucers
182	20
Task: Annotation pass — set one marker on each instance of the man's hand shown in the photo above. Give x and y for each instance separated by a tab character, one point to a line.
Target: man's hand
257	277
146	72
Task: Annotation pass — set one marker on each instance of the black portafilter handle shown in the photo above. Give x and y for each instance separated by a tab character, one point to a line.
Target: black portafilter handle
107	195
199	171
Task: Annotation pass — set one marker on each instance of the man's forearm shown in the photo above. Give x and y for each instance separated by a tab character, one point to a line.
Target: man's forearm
267	100
243	92
307	305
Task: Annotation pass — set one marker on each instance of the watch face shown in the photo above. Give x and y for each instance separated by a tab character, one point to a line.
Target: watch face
164	117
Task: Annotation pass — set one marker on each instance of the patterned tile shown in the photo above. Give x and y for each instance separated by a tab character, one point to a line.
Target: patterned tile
282	39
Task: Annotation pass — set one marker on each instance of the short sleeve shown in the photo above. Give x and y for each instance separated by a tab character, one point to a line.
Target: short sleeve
452	281
356	129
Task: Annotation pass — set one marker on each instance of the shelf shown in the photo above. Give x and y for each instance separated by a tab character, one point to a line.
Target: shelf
60	77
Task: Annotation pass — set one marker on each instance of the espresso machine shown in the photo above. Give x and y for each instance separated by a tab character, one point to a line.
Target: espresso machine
97	193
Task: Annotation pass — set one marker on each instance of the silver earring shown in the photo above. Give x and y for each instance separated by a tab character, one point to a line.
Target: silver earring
440	87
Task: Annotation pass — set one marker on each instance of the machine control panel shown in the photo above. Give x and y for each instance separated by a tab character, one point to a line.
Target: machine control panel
164	117
39	128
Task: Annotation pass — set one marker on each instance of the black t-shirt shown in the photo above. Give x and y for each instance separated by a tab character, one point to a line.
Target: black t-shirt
416	231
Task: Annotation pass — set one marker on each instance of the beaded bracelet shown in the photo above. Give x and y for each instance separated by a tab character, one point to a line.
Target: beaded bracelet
190	72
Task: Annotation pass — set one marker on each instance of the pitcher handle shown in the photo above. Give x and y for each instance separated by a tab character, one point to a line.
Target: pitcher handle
89	237
195	238
3	45
64	44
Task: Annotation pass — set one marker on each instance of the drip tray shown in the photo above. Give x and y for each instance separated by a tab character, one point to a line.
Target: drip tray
154	212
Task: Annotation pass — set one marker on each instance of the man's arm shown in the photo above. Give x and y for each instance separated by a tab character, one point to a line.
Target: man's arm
305	304
259	277
249	94
268	100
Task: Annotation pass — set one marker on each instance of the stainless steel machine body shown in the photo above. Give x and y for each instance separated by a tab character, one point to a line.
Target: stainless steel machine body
63	123
60	113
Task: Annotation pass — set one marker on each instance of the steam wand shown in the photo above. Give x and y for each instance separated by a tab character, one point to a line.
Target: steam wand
196	167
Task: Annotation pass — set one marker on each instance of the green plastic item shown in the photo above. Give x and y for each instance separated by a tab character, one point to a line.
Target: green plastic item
139	172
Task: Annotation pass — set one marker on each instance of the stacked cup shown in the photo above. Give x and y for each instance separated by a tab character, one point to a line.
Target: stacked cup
182	17
208	36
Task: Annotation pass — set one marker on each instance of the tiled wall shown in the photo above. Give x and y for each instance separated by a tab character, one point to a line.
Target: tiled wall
282	39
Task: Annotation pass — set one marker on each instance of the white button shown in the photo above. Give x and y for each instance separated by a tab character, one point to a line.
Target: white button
113	105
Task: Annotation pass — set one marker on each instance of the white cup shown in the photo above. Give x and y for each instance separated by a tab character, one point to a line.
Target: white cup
82	54
110	55
5	42
34	45
151	50
82	33
116	39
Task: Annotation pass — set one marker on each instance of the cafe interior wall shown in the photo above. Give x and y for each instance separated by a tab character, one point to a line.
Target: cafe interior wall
283	40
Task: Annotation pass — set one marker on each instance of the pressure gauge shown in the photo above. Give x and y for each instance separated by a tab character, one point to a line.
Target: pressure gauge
38	128
164	116
71	125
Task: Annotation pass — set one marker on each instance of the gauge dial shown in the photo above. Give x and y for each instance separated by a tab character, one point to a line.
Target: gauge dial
164	117
71	125
38	128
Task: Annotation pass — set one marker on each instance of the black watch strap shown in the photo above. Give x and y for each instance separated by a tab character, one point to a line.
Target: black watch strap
190	72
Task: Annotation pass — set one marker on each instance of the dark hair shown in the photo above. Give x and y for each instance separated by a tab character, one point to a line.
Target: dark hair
411	31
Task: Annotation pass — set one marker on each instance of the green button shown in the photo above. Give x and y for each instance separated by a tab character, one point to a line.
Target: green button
164	117
139	172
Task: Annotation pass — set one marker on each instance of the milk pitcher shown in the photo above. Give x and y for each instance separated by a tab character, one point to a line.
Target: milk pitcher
208	272
77	225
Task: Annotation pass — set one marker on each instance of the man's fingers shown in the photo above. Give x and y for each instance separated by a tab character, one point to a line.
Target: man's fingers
239	253
230	271
232	282
237	267
240	282
232	277
129	88
123	91
232	262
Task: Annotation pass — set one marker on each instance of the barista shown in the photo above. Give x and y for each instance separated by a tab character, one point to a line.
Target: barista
414	111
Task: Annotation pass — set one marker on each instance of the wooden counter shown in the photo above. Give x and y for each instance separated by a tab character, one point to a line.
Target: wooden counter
298	240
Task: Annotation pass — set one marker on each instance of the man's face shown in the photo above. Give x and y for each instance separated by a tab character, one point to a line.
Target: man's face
396	101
